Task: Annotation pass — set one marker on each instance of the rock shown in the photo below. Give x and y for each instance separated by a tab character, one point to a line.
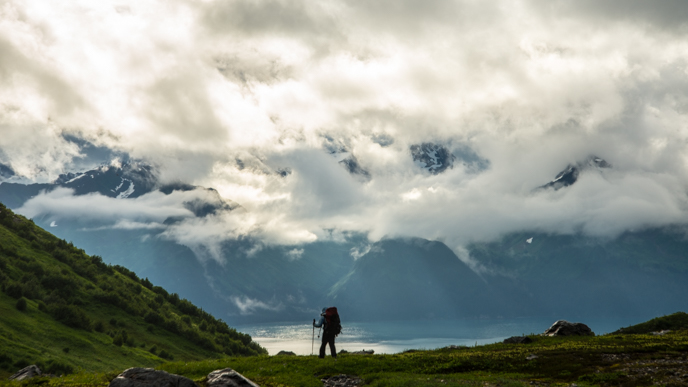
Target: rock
26	373
531	357
518	340
363	352
565	328
285	353
228	378
148	377
662	332
342	380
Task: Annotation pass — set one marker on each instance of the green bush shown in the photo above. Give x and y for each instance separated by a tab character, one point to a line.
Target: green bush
21	304
55	367
72	316
153	318
42	307
99	326
14	290
153	349
118	340
165	355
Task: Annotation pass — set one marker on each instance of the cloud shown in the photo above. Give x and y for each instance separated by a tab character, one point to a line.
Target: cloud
225	94
249	305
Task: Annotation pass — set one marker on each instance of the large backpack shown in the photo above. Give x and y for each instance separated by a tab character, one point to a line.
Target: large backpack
332	322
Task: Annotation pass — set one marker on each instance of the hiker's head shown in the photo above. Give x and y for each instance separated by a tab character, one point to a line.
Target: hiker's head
324	310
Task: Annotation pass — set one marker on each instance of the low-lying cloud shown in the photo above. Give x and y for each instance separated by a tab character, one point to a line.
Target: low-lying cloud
228	94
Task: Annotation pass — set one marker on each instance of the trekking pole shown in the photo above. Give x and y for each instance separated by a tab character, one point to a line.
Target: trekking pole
313	341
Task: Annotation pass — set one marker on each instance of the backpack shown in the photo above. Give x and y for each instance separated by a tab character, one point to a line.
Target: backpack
332	321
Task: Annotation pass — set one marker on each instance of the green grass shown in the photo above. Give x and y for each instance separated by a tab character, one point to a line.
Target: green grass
610	360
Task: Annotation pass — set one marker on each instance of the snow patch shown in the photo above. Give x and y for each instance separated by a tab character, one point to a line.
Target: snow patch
53	224
128	192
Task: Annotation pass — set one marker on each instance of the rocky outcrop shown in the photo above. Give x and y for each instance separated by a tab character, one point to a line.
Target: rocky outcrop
565	328
342	381
518	340
228	378
26	373
148	377
285	353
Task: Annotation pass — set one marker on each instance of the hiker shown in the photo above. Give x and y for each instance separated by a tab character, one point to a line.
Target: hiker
329	319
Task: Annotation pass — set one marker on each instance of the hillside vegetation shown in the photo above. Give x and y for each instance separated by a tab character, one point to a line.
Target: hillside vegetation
68	311
610	360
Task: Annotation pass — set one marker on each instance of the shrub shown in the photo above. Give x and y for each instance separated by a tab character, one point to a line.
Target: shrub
153	318
72	316
113	322
21	304
99	326
165	355
14	290
153	349
118	340
65	350
55	367
42	307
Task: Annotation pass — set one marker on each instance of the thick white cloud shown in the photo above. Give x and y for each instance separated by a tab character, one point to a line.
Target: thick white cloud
225	93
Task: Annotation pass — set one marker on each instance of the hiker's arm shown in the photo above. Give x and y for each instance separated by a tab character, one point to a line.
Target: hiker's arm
319	322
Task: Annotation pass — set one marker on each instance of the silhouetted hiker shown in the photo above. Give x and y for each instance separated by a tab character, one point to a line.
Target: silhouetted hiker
329	319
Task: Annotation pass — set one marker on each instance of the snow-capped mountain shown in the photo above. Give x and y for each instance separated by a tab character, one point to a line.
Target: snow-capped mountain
431	157
570	174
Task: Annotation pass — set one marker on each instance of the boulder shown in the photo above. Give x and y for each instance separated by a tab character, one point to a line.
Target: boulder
148	377
518	340
342	380
228	378
26	373
565	328
285	353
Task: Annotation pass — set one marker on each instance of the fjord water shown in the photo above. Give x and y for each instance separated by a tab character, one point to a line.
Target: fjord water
397	336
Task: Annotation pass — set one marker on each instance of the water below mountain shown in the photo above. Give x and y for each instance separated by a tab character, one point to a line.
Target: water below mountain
398	336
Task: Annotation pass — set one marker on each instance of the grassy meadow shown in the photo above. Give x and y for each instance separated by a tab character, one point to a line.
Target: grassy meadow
610	360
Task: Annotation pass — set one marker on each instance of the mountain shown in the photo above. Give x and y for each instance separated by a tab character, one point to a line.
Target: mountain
642	273
522	274
431	157
399	276
64	309
570	174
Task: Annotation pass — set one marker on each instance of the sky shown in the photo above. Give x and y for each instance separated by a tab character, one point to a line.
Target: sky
252	97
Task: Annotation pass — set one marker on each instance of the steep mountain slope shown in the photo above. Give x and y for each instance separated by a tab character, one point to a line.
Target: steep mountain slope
642	273
67	310
412	278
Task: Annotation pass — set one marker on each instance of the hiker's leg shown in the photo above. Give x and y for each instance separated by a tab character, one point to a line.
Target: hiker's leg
333	350
322	346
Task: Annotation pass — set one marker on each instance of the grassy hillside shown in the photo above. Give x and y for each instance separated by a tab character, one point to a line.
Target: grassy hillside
68	311
674	322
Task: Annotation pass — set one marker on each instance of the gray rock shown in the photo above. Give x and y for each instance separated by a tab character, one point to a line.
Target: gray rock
518	340
342	380
565	328
148	377
228	378
26	373
285	353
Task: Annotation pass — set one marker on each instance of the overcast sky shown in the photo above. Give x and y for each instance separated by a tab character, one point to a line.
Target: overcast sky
194	86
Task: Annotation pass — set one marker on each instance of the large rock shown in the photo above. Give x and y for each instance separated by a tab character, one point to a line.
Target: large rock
26	373
565	328
148	377
228	378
